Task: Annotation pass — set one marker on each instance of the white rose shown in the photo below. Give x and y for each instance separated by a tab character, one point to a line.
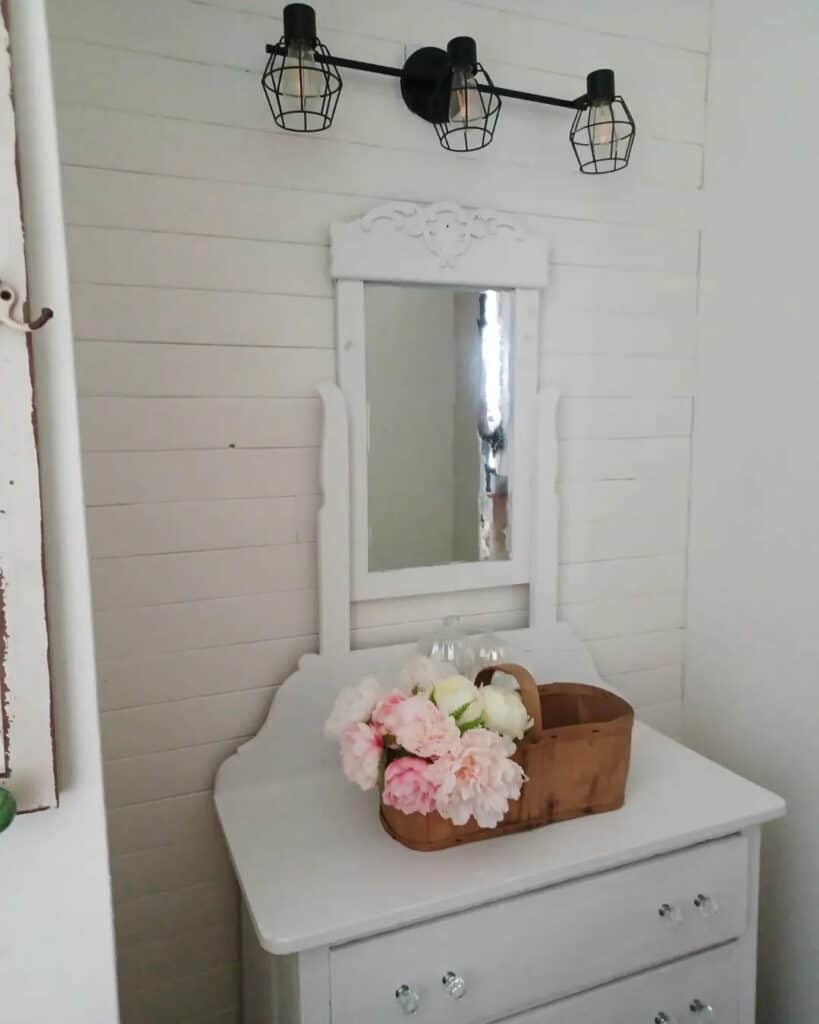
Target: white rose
504	712
454	693
353	704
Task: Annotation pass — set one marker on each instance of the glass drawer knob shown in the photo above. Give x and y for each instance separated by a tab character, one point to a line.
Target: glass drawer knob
702	1010
670	914
706	905
663	1018
407	999
454	985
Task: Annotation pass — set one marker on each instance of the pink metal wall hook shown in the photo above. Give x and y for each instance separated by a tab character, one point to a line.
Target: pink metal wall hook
8	300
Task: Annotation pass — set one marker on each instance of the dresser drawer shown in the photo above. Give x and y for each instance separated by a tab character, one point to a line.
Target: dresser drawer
712	979
542	946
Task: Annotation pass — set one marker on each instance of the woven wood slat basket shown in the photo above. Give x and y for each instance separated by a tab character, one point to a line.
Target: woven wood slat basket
576	758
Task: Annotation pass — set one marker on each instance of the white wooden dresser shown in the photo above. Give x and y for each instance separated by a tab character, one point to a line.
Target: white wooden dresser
647	915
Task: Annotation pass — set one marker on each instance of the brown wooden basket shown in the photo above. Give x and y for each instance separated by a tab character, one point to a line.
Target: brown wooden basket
576	758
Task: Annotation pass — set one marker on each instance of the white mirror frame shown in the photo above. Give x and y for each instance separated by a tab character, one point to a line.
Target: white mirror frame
443	244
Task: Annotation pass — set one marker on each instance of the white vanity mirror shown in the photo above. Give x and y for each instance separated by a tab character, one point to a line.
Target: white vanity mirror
441	425
438	320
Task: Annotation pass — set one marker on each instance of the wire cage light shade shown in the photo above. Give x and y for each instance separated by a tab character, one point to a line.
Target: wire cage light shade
300	82
473	104
602	134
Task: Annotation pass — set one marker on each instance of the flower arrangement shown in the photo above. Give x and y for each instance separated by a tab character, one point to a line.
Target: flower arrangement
436	742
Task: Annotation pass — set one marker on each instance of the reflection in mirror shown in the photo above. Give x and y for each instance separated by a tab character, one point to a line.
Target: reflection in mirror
439	396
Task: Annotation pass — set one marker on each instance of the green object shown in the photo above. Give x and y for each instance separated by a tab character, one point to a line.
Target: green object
8	809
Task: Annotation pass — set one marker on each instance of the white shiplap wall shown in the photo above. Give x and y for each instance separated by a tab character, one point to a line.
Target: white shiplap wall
203	316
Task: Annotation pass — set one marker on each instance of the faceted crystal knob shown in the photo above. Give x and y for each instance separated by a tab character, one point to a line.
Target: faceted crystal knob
454	985
663	1018
702	1010
670	914
706	905
407	998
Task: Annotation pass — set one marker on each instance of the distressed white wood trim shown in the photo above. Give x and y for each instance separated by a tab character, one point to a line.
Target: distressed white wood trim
334	525
26	742
441	243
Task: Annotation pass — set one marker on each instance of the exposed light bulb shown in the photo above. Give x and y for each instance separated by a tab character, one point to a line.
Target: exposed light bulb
462	84
302	77
604	130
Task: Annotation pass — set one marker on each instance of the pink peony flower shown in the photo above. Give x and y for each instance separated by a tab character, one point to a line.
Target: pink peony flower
407	786
423	729
477	779
361	749
384	714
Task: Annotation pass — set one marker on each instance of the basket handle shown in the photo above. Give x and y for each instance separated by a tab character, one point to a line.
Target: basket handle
529	693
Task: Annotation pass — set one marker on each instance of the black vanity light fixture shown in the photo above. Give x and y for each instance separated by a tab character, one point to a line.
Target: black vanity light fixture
449	88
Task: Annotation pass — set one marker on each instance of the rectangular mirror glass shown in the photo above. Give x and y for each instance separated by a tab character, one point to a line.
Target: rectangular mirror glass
440	408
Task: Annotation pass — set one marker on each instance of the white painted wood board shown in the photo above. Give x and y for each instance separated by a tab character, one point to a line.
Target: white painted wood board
26	743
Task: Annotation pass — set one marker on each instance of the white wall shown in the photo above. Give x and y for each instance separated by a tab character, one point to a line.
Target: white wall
203	311
752	672
56	937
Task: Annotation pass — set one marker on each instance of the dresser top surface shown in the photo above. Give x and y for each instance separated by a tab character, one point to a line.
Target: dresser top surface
317	869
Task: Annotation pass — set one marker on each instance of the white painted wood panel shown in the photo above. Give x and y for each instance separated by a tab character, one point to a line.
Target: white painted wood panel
594	417
646	497
620	375
134	369
119	423
184	1000
637	651
168	914
601	460
128	632
161	528
650	686
133	732
168	867
201	575
136	780
604	332
681	24
145	963
201	292
114	256
118	199
171	822
150	678
106	312
604	539
594	619
95	137
113	478
622	577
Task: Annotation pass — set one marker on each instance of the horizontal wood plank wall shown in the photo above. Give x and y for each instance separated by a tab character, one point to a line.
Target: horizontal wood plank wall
203	315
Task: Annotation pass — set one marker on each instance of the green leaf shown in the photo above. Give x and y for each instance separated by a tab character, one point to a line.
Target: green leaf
456	714
8	808
476	723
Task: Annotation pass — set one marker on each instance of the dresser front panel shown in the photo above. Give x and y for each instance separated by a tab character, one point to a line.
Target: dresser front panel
536	948
711	978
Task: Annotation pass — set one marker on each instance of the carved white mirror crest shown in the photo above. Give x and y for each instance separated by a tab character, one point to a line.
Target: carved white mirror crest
441	478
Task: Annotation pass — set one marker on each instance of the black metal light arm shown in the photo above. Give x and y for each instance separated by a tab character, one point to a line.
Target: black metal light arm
450	89
381	69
